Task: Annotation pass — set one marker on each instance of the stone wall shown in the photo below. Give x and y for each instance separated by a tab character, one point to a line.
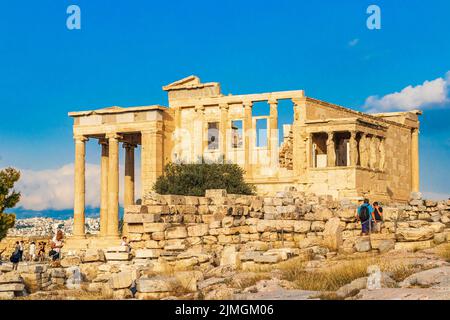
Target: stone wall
252	229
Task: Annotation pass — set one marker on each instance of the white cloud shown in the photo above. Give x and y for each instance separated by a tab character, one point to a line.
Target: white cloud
353	42
53	188
429	94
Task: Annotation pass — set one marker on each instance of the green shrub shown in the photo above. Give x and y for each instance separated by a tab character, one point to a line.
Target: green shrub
194	178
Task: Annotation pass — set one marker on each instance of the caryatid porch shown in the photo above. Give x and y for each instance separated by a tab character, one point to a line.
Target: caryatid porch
131	127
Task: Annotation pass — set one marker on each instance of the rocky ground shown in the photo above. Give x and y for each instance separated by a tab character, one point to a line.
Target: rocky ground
397	274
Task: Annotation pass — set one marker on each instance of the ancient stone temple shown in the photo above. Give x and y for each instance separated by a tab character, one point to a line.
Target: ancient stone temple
327	150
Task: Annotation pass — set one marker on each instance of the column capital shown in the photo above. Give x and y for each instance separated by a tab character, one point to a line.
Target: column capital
330	135
353	134
247	104
128	145
224	106
272	102
114	135
80	138
103	141
199	108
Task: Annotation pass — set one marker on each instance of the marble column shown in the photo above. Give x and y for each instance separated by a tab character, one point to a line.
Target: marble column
152	157
248	137
331	150
272	142
223	129
353	149
104	188
199	139
113	186
129	174
415	171
79	187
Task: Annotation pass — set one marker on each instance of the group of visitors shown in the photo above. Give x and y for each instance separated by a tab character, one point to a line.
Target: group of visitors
37	253
370	216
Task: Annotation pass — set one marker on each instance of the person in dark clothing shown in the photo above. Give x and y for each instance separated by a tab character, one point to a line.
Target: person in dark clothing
364	214
377	217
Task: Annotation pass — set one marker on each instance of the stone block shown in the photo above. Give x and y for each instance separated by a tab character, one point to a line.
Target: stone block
117	256
198	230
267	259
7	295
147	253
175	244
414	234
215	193
16	287
156	284
93	255
332	234
11	277
412	246
141	218
120	280
150	227
69	261
178	232
302	226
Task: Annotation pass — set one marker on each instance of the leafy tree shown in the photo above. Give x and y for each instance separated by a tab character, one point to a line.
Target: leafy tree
8	198
193	179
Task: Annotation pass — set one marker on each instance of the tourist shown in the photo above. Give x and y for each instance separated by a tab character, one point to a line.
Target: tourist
364	215
32	251
41	252
378	217
125	243
21	249
15	257
57	243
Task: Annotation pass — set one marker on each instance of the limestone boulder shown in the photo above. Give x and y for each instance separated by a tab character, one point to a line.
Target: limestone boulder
363	244
93	255
121	280
347	214
352	288
332	234
69	261
321	214
414	234
178	232
189	279
156	284
436	278
198	230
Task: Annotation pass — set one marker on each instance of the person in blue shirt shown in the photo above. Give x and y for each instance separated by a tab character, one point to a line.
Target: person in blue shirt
365	215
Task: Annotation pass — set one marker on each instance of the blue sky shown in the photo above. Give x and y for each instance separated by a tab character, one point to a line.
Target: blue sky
126	50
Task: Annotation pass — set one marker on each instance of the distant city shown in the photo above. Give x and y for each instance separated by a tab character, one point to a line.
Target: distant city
42	227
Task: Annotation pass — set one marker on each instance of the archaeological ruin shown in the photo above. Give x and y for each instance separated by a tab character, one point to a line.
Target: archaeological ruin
327	150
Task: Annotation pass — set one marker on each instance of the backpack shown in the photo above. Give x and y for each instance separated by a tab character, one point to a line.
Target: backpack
364	213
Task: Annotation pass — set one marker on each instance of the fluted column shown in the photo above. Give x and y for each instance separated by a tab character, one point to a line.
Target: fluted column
152	157
79	187
129	174
415	171
113	186
104	188
331	150
223	129
353	149
248	132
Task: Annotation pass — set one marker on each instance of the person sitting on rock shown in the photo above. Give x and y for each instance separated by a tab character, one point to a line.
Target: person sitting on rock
125	243
365	215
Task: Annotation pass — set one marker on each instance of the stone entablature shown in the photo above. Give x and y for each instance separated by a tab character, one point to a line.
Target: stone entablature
331	150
